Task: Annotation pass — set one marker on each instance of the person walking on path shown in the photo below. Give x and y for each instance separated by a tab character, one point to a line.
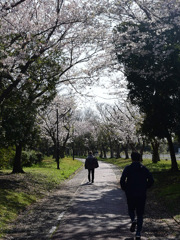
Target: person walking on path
91	163
135	180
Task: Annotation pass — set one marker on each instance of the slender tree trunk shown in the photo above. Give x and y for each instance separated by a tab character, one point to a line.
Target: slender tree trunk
118	150
112	152
174	166
126	153
57	155
155	154
17	168
62	148
125	148
105	156
142	150
101	154
111	148
104	152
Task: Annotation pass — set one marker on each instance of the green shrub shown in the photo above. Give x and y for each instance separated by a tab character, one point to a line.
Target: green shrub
31	157
6	157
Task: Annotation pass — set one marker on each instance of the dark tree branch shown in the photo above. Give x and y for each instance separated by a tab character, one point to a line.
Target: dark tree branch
12	5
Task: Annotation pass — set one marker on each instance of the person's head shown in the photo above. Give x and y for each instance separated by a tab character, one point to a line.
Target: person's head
135	156
90	153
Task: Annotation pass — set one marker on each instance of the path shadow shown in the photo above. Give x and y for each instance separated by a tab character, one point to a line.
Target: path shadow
96	213
86	184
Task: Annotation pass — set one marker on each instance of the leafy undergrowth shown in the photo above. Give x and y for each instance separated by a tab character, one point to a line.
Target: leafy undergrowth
17	191
166	188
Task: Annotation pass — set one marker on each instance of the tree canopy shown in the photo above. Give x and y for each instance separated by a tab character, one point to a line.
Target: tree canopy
44	44
148	47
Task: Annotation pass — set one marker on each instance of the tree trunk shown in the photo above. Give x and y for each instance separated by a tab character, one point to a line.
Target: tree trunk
125	148
104	152
62	149
17	168
126	154
174	166
101	154
112	153
142	150
57	154
105	156
118	151
155	154
111	148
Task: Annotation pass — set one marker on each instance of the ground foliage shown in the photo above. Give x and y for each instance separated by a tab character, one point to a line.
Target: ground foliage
18	191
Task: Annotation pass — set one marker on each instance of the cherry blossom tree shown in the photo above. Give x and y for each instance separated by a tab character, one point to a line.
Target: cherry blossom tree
42	42
57	122
45	44
123	122
85	132
31	30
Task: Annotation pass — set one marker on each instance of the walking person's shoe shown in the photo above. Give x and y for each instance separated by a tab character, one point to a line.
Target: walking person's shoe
133	226
138	235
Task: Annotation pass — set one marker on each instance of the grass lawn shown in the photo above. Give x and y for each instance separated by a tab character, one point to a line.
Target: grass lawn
17	191
167	184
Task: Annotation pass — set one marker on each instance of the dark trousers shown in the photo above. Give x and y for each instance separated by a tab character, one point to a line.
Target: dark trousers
91	175
136	206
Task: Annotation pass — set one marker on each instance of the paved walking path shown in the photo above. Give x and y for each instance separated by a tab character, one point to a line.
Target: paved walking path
98	210
79	210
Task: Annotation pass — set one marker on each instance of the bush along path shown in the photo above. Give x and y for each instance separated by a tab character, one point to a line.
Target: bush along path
79	210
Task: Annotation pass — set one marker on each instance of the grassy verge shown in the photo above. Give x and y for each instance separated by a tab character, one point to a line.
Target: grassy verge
167	183
17	191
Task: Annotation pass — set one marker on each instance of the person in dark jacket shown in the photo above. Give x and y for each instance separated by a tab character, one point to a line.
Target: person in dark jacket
91	163
135	180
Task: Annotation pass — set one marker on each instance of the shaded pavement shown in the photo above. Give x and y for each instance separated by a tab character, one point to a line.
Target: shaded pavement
98	210
83	211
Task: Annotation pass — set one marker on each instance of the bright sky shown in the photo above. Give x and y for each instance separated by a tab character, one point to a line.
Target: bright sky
96	95
107	92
